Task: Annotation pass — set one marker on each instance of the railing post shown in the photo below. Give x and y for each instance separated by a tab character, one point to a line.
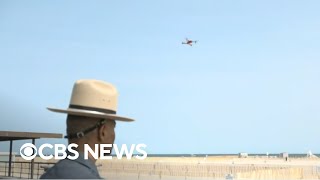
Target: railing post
21	166
32	162
5	167
38	170
10	159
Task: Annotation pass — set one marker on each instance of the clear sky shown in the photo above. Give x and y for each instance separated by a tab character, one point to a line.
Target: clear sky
251	83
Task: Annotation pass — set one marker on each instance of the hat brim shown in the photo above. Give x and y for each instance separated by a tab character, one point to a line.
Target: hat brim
87	113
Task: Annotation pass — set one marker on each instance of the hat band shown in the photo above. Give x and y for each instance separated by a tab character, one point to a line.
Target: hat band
108	111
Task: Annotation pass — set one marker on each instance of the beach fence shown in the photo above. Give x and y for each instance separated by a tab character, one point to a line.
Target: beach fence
166	171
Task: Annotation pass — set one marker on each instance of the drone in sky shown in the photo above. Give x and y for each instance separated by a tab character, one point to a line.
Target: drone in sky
189	42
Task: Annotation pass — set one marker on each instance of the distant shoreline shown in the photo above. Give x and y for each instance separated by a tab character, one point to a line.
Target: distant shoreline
204	155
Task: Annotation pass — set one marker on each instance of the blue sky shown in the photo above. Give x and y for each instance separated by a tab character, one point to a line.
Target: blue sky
251	83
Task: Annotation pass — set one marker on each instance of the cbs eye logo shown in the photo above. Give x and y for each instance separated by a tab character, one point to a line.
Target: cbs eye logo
28	151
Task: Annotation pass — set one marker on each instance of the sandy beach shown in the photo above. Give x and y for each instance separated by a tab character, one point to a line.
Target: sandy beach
211	168
199	168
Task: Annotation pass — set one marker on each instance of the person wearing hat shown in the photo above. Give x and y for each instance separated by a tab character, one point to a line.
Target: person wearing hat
91	120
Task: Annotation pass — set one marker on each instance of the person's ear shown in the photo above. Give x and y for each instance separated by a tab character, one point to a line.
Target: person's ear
102	133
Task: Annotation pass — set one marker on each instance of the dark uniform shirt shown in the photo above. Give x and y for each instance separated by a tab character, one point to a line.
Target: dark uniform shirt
73	169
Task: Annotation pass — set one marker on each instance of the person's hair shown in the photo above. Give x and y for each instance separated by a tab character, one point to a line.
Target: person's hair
79	123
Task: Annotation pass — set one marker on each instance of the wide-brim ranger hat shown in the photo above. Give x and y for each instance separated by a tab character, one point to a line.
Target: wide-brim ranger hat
93	98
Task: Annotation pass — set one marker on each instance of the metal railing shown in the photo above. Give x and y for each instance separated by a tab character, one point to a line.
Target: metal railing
23	169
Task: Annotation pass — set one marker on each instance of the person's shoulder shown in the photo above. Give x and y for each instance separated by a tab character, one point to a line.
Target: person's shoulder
68	169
